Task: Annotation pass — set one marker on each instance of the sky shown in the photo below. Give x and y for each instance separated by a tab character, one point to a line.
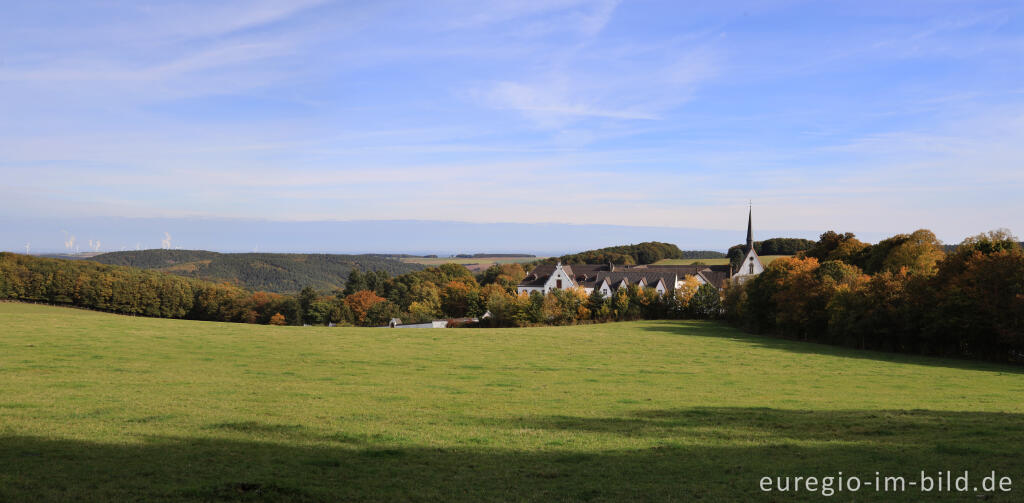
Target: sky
870	117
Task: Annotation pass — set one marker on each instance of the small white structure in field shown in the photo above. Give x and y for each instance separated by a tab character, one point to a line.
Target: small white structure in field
397	323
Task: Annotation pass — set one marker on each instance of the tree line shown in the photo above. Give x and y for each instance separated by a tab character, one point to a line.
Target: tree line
369	298
902	294
272	272
643	253
130	290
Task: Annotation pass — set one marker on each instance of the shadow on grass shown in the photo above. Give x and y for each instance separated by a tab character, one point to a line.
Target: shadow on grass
979	432
722	330
709	454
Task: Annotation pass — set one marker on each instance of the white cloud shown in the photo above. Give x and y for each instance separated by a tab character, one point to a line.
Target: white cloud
552	104
615	88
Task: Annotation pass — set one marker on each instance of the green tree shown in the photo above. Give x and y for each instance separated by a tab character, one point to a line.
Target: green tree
356	283
306	299
706	303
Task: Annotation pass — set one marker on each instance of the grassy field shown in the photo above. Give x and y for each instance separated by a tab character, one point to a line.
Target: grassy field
766	259
97	407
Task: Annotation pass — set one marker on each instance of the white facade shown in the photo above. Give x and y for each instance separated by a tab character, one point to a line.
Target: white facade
750	267
660	287
559	280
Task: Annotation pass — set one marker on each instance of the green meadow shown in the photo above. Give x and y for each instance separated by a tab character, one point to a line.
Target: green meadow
101	407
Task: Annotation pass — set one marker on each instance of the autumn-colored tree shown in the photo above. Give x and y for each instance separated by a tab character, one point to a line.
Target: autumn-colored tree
361	302
487	291
918	254
685	292
991	242
793	301
277	319
507	276
835	246
507	310
455	299
421	312
976	302
551	309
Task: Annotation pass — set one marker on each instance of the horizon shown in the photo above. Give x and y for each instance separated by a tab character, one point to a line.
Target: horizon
429	237
417	237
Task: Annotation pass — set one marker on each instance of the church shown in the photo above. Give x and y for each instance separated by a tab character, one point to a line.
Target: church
608	278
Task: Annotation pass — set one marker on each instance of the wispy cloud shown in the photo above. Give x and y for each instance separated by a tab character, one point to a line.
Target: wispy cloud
552	104
575	89
213	58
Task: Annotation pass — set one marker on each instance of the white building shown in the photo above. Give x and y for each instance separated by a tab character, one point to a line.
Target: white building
751	265
610	277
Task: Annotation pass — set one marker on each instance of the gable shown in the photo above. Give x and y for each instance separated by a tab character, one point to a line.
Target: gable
751	265
560	274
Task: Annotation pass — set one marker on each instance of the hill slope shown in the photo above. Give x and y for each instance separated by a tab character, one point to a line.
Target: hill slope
642	253
272	272
115	408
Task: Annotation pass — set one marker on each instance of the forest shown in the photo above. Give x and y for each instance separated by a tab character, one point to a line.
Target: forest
903	294
642	253
271	272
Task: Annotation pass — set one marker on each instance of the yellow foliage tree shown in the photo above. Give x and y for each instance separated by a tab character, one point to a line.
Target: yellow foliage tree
687	290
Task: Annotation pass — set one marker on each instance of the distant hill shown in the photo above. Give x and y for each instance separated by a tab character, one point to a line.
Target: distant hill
69	256
272	272
642	253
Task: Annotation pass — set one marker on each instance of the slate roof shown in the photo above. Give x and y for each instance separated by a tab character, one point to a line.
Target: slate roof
651	278
591	275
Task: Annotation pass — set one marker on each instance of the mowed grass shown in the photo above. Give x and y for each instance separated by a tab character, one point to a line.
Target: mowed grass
765	259
100	407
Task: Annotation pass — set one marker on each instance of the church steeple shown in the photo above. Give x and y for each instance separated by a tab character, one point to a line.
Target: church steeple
750	229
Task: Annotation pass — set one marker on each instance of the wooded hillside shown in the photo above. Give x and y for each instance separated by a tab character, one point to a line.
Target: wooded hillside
271	272
642	253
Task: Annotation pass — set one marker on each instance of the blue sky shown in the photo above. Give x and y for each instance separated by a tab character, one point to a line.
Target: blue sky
872	117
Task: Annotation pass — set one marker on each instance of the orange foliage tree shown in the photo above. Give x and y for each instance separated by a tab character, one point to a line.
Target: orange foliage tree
277	319
361	302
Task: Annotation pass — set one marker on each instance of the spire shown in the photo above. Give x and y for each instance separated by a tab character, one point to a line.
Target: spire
750	229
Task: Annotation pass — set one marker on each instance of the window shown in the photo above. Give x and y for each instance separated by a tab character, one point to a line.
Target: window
558	284
751	266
